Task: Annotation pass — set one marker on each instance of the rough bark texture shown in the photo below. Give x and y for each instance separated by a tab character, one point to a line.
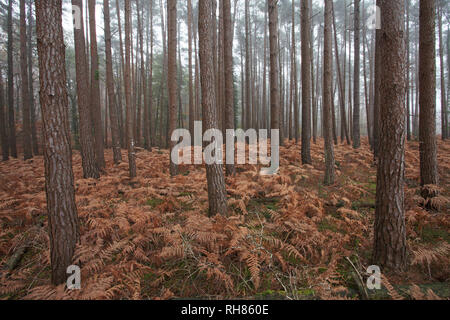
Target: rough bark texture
90	169
356	80
390	233
306	82
95	90
228	67
172	75
217	194
110	86
327	95
11	117
59	180
3	127
127	80
427	96
26	132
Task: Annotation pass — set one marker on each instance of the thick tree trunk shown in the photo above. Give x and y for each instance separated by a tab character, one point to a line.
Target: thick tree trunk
27	145
59	180
95	90
427	96
306	82
110	87
214	172
90	169
327	95
390	231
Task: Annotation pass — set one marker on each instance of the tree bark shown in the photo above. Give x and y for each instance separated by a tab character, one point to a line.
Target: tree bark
356	80
110	87
442	70
27	145
214	173
3	125
11	117
306	82
95	90
390	231
172	75
90	169
59	180
228	67
427	96
327	95
127	80
34	137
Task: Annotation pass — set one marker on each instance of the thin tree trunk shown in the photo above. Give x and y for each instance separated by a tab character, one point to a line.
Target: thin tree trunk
306	83
127	80
95	90
34	138
11	117
27	145
427	97
356	79
172	75
228	67
90	169
327	95
3	125
110	87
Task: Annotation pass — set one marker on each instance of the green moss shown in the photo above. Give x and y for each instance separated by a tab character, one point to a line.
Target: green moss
154	202
432	234
325	224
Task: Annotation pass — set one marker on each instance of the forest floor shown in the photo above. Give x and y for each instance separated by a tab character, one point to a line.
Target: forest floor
286	237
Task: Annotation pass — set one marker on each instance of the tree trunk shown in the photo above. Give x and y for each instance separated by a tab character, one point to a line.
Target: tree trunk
34	138
95	90
90	169
59	180
3	127
306	83
191	85
378	80
217	194
27	145
110	87
228	67
127	80
172	75
356	80
390	231
327	95
427	96
11	117
442	70
248	109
